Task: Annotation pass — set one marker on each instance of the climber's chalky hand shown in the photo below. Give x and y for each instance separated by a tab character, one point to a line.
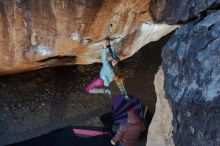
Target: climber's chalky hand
112	142
104	44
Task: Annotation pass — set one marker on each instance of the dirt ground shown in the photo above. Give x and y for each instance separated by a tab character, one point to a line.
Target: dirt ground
34	103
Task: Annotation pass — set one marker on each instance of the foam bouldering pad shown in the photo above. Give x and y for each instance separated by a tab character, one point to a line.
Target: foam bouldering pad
121	106
66	137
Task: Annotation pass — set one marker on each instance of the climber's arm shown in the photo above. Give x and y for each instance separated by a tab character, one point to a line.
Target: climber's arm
119	134
111	51
104	55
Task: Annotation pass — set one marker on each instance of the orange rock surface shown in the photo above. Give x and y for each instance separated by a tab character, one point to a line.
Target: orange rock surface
42	33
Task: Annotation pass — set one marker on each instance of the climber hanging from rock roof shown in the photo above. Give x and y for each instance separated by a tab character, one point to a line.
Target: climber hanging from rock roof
107	75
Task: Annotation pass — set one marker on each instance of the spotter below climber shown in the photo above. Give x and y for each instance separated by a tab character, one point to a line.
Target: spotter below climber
129	132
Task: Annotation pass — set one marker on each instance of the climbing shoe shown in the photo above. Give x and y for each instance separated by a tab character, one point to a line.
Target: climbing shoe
108	93
97	90
126	97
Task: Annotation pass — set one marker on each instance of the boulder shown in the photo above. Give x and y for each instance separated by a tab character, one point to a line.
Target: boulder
37	33
180	11
191	61
160	129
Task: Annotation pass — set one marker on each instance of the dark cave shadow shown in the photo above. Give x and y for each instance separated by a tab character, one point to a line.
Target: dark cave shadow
140	69
62	82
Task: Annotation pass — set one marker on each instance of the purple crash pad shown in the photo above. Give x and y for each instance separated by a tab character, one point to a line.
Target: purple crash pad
121	106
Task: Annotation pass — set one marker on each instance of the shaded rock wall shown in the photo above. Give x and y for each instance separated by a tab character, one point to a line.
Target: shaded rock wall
191	61
160	130
37	102
38	33
179	11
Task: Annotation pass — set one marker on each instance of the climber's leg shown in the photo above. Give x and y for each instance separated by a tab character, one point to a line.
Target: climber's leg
97	90
94	84
97	86
122	90
108	92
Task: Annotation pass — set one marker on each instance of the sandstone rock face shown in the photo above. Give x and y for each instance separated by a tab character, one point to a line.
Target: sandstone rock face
160	130
179	11
191	61
38	33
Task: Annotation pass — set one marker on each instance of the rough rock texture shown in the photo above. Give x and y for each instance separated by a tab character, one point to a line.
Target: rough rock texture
41	33
34	103
179	11
160	130
191	60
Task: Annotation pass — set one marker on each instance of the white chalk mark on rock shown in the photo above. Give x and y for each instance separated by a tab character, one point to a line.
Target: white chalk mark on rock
43	50
75	36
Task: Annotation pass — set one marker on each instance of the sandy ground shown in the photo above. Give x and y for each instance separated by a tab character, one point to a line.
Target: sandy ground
34	103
